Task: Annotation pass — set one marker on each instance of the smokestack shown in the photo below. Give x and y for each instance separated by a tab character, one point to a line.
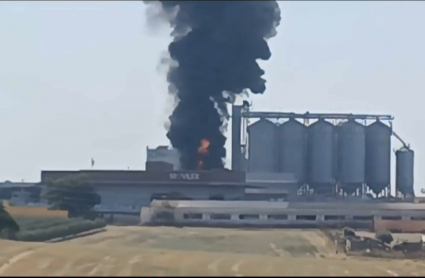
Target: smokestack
215	48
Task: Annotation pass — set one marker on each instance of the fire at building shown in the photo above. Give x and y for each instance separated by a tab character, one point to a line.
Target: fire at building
203	153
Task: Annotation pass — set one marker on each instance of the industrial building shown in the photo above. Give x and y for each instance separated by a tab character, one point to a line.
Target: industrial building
289	214
162	157
284	157
330	154
129	191
20	193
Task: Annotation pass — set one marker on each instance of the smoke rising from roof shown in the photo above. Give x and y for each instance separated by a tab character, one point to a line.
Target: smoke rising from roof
215	49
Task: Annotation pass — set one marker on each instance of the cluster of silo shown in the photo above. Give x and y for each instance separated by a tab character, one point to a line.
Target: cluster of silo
324	155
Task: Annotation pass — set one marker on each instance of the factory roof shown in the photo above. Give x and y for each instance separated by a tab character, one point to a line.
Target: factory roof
220	204
262	190
207	178
359	206
365	205
177	183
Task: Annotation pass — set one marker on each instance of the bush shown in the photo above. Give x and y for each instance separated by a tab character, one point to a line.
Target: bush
72	227
36	223
8	226
7	233
90	215
85	214
384	237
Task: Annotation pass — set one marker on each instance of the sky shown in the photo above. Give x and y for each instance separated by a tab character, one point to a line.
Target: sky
82	79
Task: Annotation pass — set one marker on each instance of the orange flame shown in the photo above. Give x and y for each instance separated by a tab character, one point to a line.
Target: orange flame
203	150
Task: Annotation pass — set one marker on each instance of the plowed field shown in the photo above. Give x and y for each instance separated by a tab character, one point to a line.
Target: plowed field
195	251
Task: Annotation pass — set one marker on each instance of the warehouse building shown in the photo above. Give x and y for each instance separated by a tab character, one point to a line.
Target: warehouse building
128	191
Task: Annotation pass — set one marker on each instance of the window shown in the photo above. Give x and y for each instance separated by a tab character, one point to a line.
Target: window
391	217
418	218
306	217
363	218
220	216
249	216
277	216
164	215
334	217
192	216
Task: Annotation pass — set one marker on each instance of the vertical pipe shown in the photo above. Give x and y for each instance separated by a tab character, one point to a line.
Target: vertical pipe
236	137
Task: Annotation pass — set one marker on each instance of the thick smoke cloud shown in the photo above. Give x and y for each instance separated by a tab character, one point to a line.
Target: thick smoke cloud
216	46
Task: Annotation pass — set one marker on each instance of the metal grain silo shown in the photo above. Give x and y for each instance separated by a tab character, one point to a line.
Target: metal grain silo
321	154
378	156
292	149
404	171
351	155
262	147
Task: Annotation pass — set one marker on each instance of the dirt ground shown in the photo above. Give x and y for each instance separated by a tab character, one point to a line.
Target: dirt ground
195	251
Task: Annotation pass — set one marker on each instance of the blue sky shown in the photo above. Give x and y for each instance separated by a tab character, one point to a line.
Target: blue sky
81	79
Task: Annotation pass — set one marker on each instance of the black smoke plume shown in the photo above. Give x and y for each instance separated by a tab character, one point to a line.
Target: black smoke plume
216	46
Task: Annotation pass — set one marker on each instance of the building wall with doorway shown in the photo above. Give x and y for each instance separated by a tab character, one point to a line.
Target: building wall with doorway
137	196
131	190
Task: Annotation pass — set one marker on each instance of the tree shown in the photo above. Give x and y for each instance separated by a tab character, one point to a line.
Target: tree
72	193
8	225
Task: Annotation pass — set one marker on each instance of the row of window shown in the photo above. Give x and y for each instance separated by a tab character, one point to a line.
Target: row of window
225	216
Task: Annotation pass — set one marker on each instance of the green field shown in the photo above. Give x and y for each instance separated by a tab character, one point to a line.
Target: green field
39	229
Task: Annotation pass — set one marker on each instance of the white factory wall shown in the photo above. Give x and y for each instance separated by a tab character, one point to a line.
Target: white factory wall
139	196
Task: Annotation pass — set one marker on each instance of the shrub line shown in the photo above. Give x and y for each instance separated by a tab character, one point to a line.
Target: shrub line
83	234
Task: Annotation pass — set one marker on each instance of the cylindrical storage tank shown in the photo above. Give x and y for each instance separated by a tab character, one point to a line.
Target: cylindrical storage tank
321	154
262	147
292	146
378	156
404	171
351	155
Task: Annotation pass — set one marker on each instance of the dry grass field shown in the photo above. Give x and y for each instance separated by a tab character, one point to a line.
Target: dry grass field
195	251
39	212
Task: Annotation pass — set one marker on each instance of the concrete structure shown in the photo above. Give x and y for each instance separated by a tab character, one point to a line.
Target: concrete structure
164	154
237	158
